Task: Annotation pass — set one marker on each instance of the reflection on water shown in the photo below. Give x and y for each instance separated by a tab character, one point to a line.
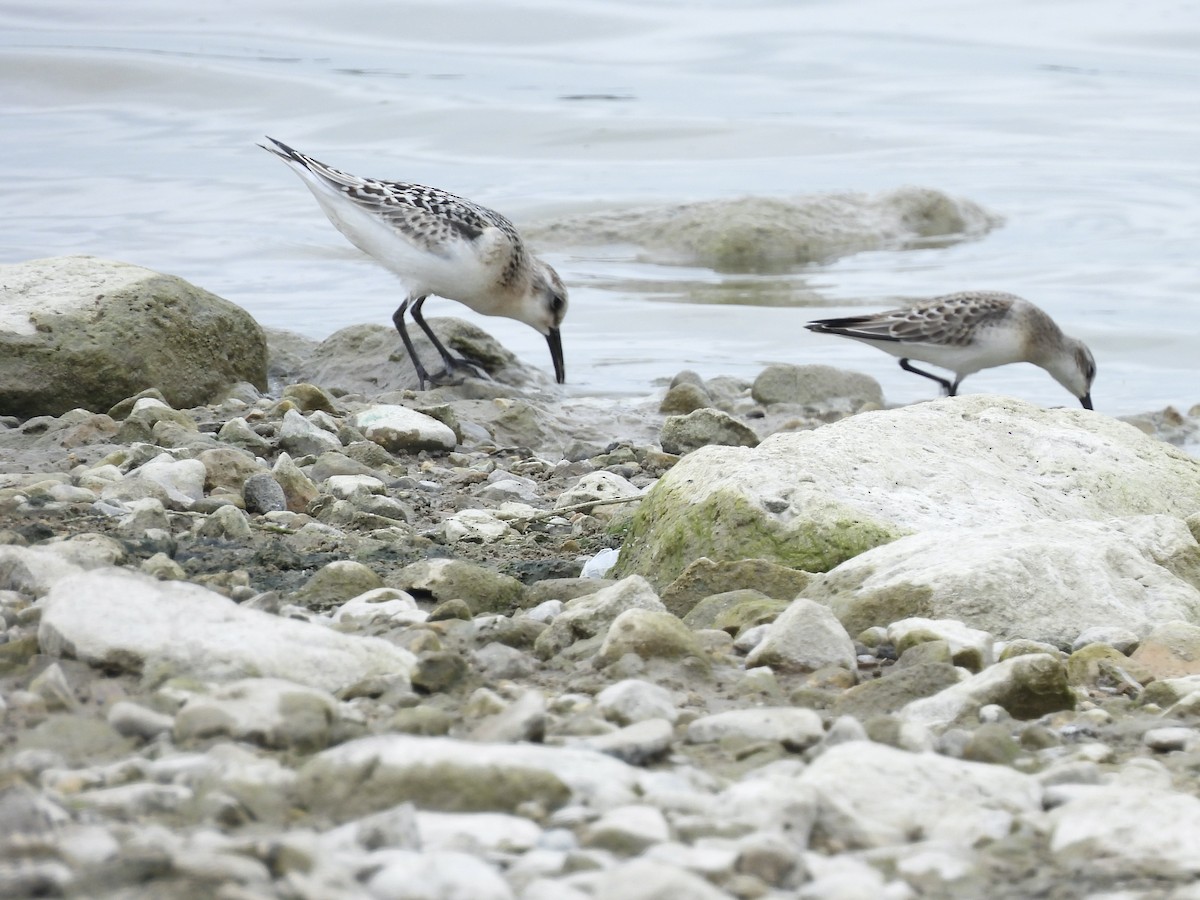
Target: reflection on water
129	127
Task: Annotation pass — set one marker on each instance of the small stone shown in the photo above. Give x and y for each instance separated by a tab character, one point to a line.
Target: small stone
684	398
454	608
796	729
683	434
226	523
523	720
399	429
1121	639
438	670
638	744
1165	740
300	437
336	583
297	487
805	637
649	634
628	830
135	720
815	384
633	700
598	486
969	647
263	494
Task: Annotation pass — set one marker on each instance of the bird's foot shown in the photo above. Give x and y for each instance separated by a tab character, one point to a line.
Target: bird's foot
456	370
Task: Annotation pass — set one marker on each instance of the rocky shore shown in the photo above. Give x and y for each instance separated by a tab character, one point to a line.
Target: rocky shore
314	634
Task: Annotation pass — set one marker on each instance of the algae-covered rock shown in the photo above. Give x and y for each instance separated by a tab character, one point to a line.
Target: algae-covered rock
649	634
812	500
704	577
1027	686
896	689
484	590
735	611
78	331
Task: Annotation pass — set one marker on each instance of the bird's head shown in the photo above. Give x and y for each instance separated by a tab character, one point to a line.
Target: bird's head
1075	369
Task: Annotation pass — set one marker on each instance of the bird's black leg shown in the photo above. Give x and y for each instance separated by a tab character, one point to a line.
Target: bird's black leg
452	363
951	389
398	320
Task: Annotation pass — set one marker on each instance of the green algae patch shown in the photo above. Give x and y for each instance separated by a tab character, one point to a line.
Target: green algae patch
673	527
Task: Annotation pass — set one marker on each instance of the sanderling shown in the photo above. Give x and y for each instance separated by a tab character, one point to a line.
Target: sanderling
970	331
439	243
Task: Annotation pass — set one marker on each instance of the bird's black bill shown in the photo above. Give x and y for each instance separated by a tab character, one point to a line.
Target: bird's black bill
1086	400
554	339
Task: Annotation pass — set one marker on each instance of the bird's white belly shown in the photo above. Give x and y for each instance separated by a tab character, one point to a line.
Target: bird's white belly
993	347
456	275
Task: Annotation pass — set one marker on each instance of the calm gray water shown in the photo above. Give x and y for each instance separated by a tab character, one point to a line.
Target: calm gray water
127	130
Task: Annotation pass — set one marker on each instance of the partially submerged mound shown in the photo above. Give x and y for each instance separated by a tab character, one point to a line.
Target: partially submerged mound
766	234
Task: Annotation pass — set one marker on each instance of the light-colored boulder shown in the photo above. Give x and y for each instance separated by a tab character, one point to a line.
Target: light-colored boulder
1133	830
1044	580
78	331
121	620
1171	650
805	637
872	795
813	499
409	875
399	429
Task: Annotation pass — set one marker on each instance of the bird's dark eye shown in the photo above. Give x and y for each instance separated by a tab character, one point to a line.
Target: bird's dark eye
558	303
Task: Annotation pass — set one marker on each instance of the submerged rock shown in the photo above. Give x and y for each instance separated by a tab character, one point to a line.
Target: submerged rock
766	234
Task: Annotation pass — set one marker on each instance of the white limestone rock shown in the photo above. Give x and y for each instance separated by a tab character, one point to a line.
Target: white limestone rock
122	620
1044	580
794	727
409	875
1137	832
399	429
872	795
805	637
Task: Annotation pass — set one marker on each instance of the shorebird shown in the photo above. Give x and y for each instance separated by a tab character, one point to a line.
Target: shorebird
438	243
970	331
